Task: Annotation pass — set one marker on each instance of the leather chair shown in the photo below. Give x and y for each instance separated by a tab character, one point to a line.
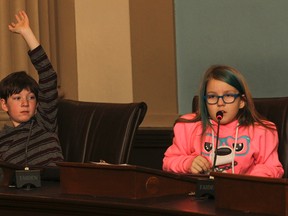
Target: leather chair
275	110
91	131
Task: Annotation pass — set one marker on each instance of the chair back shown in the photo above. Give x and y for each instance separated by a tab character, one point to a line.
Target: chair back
91	131
275	110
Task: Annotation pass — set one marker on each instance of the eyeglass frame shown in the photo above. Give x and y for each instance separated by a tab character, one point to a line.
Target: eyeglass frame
235	96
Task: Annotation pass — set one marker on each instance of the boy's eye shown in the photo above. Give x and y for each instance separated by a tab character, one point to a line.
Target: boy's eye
32	97
16	98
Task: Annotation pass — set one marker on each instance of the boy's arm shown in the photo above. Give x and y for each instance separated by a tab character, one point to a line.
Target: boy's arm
22	27
48	94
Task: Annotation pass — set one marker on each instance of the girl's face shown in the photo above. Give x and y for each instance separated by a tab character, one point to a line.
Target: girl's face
220	88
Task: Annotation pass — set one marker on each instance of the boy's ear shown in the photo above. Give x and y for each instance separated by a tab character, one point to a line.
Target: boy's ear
3	105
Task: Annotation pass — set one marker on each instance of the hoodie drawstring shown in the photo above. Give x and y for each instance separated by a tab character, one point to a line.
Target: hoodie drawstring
233	149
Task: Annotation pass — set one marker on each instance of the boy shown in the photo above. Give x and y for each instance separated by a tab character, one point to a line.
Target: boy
32	108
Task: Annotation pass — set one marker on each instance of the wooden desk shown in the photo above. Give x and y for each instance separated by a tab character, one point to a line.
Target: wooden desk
93	189
251	193
48	200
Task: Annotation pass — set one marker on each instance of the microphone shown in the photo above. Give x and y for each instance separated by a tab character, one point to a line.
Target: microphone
219	116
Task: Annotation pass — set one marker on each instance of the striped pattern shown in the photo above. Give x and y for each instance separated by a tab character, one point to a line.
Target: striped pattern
43	147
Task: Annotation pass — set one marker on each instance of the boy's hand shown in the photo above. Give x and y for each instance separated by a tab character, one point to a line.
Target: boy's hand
22	23
22	27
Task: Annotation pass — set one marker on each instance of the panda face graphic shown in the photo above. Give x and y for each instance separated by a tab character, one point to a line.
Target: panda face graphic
225	150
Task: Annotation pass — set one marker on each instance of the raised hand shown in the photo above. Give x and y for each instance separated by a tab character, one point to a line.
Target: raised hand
22	27
22	23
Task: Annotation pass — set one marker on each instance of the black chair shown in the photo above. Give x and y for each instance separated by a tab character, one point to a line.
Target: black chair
91	131
275	110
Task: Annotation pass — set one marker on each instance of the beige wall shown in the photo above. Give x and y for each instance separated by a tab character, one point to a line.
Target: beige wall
121	51
103	50
67	49
117	51
154	59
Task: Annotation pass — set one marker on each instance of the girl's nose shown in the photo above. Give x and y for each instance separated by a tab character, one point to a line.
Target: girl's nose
220	102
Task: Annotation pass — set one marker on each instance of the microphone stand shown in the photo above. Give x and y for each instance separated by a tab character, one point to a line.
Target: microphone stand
205	187
28	178
217	140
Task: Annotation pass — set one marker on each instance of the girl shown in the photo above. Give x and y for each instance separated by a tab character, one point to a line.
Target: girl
247	144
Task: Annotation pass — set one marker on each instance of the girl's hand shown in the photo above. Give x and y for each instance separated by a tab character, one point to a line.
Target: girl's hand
22	23
200	165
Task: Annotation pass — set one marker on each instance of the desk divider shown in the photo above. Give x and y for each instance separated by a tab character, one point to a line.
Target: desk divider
251	194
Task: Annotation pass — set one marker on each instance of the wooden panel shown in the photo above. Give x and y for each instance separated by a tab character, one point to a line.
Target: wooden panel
251	194
122	181
149	147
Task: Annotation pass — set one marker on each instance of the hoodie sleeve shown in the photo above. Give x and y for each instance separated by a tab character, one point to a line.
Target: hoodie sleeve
267	163
48	93
179	156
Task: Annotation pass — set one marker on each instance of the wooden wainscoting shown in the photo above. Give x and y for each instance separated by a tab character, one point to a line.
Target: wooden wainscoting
149	146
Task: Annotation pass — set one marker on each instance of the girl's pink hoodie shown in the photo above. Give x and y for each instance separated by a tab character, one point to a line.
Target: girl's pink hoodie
254	154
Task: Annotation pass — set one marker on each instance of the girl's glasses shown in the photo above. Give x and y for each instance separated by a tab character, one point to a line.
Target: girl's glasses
227	98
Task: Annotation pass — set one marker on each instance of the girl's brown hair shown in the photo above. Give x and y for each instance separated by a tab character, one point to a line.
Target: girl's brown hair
246	116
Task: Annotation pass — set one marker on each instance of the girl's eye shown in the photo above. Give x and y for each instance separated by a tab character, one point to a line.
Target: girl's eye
229	95
211	96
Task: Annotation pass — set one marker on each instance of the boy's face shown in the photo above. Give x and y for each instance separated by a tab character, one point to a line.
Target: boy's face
20	107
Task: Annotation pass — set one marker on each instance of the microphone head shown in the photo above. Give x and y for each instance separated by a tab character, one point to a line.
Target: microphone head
219	115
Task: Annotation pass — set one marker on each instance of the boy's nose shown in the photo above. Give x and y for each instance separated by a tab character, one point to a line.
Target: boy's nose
24	102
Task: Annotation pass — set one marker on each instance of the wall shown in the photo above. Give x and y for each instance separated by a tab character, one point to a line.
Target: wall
154	59
249	35
121	51
103	50
67	48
